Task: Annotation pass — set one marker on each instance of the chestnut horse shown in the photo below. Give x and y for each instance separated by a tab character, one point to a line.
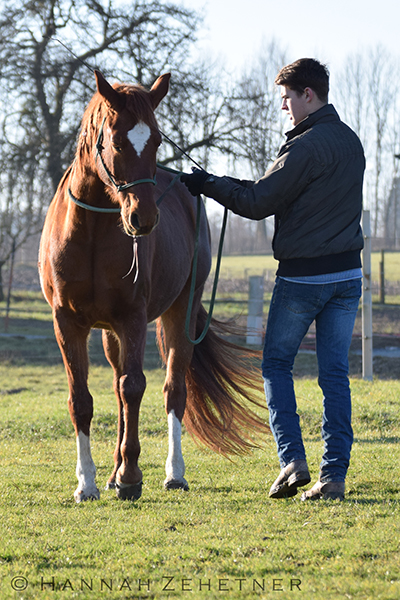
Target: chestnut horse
112	257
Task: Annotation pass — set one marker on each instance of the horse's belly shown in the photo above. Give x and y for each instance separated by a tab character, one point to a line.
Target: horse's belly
172	280
163	299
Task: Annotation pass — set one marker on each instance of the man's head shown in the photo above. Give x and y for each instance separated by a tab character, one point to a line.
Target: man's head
304	88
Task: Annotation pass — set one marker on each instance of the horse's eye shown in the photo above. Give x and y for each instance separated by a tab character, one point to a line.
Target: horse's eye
117	149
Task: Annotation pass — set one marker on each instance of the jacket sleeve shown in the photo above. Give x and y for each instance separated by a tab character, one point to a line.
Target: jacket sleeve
282	183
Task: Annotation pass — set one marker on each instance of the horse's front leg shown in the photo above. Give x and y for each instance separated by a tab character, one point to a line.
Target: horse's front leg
72	340
112	351
131	387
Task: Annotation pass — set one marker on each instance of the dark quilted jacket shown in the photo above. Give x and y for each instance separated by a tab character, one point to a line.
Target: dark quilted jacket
314	189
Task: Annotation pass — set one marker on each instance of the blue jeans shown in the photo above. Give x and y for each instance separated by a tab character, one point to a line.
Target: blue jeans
294	306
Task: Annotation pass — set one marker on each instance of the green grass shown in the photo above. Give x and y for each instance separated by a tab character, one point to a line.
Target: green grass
392	266
242	266
222	538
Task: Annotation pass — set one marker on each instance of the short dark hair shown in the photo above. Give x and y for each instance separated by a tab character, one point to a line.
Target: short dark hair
303	73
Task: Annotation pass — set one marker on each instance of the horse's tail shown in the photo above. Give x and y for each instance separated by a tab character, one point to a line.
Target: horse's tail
222	380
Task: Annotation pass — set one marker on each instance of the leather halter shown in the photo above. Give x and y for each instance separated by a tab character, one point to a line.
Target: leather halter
119	187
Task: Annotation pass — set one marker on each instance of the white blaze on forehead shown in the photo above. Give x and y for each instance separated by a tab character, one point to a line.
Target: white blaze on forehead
139	136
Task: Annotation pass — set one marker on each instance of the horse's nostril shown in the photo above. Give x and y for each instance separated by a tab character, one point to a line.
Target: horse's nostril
134	221
134	225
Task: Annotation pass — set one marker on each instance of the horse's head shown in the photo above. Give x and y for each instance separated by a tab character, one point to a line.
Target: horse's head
126	147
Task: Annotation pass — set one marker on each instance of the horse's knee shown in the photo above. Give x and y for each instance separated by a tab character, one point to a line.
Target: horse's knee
132	387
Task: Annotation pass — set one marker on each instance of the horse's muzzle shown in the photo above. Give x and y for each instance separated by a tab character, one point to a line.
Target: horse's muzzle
133	227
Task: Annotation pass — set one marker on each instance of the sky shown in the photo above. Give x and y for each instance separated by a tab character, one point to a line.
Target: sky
328	30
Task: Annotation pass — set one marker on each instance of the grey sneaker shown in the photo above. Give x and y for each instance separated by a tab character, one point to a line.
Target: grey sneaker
331	490
294	475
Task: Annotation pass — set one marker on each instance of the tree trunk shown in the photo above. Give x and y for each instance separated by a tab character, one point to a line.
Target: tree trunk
2	263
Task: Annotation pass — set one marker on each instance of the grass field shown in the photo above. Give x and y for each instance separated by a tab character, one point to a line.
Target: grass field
242	266
223	538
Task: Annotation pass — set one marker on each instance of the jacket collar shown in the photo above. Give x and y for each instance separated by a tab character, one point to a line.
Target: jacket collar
324	114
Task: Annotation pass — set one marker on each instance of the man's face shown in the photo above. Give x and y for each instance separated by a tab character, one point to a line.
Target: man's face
297	106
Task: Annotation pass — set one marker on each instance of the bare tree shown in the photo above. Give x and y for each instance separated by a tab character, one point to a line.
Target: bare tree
367	98
49	87
48	50
256	105
382	97
351	95
197	114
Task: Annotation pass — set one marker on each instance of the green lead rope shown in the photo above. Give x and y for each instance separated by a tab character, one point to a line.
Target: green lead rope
194	272
195	261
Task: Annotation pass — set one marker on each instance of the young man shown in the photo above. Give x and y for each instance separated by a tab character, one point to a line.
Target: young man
314	189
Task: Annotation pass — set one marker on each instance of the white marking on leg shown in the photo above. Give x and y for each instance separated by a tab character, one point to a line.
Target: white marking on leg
85	470
139	136
175	465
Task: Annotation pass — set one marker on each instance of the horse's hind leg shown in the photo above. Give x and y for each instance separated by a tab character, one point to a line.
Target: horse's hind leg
178	357
112	351
72	342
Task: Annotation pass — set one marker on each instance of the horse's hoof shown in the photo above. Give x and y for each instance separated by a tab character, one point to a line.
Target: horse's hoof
176	484
127	491
110	485
81	496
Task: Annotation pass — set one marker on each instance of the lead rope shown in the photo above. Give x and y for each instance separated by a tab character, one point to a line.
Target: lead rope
135	261
195	261
194	272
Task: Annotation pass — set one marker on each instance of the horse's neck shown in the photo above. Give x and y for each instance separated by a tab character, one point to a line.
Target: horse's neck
84	183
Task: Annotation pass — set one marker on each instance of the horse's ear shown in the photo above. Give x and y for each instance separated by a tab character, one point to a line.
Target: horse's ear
160	89
109	94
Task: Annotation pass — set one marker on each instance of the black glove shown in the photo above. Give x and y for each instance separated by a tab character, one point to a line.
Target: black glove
195	181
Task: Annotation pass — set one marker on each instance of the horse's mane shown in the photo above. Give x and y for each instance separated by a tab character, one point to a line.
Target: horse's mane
137	102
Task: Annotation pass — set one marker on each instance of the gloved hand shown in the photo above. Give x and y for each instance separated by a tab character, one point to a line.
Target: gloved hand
195	181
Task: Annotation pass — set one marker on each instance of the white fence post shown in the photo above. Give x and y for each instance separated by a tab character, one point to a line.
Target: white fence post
255	311
367	355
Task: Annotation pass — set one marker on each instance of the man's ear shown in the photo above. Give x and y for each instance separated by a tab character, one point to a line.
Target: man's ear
309	93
